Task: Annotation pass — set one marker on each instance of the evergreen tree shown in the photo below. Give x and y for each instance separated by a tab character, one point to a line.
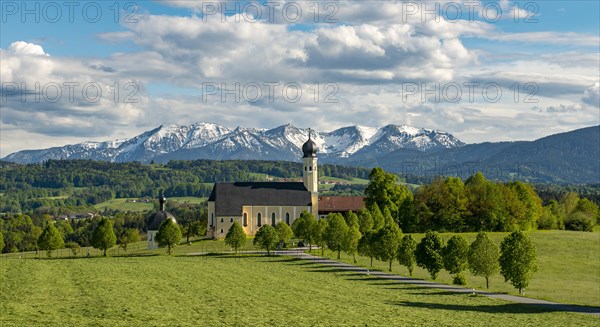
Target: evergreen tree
518	260
428	254
266	238
236	237
168	235
50	240
406	253
483	257
104	236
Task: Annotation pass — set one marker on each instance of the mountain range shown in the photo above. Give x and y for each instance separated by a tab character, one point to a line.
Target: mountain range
572	157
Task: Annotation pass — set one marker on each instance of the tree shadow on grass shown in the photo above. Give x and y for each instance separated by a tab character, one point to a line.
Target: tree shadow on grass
519	308
78	257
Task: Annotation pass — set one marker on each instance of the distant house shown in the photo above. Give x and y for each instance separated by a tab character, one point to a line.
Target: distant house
254	204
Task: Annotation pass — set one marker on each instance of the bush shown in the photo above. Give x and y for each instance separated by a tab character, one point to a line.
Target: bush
459	279
580	221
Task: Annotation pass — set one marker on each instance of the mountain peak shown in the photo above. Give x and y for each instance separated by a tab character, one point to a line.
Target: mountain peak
205	140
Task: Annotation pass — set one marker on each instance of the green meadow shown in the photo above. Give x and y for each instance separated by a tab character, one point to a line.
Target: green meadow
122	204
227	290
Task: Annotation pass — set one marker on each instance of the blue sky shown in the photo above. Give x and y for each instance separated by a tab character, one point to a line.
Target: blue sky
371	54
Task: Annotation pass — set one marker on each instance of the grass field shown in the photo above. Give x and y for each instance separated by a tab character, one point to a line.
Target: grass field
236	291
121	204
569	267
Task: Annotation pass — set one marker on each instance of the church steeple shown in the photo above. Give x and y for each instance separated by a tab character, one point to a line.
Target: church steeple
309	158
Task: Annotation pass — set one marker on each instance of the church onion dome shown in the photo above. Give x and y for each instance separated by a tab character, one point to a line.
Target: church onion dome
157	218
161	215
309	148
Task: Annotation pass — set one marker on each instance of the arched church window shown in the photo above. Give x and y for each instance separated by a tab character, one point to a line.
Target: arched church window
287	218
212	219
273	219
259	219
245	219
310	168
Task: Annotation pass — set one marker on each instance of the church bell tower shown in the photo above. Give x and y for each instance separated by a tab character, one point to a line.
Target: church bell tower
310	175
309	172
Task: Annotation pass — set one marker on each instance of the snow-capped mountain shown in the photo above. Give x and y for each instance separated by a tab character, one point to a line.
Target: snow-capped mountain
212	141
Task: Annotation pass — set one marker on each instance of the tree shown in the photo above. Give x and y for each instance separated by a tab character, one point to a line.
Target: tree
483	257
194	228
583	217
168	235
351	219
428	253
351	241
104	236
446	203
378	219
366	245
266	238
388	240
336	232
485	209
531	202
284	231
384	191
455	255
50	239
518	260
365	221
74	246
304	228
1	239
236	237
319	234
406	253
128	235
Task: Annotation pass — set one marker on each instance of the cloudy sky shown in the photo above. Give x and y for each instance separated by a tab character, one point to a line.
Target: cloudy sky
482	70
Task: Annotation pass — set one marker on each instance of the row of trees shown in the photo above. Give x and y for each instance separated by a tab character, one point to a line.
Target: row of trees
104	237
448	204
516	258
20	232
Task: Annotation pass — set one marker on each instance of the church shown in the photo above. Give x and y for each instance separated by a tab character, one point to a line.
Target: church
253	204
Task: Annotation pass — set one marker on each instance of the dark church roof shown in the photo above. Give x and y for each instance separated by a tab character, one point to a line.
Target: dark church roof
340	203
232	196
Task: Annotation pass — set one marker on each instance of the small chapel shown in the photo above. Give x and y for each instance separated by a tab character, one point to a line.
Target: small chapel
155	220
253	204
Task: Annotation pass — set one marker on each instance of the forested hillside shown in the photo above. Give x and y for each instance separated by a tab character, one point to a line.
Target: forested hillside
80	183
